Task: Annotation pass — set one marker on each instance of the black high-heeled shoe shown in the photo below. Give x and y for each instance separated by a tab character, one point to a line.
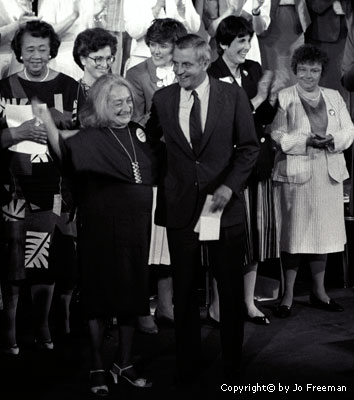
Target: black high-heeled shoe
13	350
330	306
98	385
129	374
259	320
282	311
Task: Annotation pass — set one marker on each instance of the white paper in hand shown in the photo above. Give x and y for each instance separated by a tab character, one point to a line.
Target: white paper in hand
208	224
15	116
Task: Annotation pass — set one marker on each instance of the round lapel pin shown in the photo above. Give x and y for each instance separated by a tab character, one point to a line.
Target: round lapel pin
140	134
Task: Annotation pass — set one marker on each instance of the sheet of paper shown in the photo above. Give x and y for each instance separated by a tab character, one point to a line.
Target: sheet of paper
208	224
15	116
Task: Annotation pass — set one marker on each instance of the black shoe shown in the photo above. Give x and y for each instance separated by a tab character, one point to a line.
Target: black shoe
260	320
212	322
330	306
163	321
282	311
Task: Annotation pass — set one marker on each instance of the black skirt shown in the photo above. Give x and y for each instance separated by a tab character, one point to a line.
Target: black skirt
113	245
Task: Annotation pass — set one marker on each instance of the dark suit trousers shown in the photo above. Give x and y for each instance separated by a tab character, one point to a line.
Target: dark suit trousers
226	258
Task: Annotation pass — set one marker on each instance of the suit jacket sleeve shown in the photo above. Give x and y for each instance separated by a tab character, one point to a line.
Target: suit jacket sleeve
246	147
348	59
139	98
153	127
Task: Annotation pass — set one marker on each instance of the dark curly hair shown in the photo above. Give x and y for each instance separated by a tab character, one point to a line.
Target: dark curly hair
309	54
36	29
232	27
164	30
92	40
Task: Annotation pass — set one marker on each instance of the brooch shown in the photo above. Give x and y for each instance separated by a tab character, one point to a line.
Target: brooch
331	112
245	73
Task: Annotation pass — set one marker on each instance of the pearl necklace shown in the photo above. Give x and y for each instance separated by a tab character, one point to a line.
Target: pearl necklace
135	163
27	77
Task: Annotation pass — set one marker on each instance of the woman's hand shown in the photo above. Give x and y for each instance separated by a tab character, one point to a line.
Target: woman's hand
25	17
279	82
99	7
157	8
32	130
262	89
264	84
320	142
76	8
181	8
256	5
43	114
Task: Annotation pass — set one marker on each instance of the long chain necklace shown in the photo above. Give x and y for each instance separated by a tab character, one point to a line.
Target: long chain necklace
135	163
27	77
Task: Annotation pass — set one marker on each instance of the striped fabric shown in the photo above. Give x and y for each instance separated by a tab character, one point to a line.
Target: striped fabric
262	241
308	182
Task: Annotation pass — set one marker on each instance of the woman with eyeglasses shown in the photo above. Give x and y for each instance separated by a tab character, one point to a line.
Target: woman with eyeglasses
312	128
94	52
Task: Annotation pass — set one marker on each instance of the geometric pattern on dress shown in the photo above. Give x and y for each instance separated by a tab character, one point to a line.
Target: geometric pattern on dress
39	158
15	210
37	249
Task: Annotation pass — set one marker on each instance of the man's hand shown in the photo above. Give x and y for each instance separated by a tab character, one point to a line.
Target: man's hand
221	197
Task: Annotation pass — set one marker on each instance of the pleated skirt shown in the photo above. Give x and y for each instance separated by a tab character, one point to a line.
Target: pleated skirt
310	216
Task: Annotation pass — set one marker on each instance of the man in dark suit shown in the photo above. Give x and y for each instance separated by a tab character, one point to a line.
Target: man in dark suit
212	153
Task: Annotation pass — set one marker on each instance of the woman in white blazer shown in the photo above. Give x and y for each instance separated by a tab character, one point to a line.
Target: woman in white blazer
312	128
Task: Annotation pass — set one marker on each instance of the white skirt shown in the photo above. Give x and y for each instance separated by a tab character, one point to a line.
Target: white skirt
159	252
310	216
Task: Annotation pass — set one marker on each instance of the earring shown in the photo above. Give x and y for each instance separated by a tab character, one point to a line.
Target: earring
50	57
21	58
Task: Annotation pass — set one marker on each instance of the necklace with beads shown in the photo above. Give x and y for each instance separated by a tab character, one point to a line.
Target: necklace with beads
134	163
43	79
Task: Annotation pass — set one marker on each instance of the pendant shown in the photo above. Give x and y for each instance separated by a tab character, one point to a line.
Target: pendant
136	172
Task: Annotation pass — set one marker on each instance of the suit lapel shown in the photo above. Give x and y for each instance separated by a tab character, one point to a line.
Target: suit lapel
152	70
178	134
215	106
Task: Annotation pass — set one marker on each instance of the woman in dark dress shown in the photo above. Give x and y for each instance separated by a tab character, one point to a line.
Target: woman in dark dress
114	168
233	37
39	236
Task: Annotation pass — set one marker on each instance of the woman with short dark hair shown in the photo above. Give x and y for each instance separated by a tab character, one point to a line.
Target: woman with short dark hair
39	232
312	128
233	37
94	52
147	77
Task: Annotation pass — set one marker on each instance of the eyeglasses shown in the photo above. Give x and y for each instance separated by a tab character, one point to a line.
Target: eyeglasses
100	60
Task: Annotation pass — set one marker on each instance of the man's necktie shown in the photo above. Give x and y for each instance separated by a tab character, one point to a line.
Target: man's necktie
195	124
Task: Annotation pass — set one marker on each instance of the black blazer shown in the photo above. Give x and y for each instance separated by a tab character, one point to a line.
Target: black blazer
228	151
251	73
